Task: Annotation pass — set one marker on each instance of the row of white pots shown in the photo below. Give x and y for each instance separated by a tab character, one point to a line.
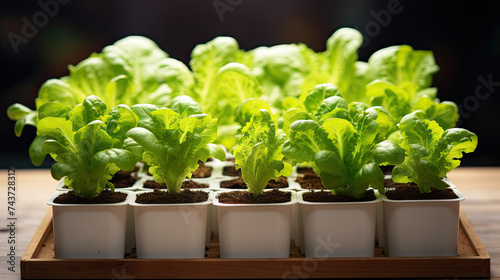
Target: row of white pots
429	228
98	231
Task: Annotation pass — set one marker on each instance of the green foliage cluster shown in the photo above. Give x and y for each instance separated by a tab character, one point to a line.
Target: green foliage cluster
343	116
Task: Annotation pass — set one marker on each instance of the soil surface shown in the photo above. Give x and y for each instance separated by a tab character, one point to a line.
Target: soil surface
389	183
281	183
411	192
305	170
162	197
231	171
239	184
124	179
310	181
104	197
203	171
243	197
150	184
328	196
387	169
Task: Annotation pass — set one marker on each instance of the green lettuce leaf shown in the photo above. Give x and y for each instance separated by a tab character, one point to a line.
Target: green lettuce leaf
431	152
87	144
258	153
175	140
337	65
345	151
207	59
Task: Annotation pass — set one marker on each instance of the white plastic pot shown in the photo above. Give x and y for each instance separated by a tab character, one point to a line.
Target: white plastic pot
171	231
338	229
422	228
254	230
381	227
89	231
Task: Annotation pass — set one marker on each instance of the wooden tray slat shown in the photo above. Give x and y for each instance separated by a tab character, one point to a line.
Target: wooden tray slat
472	261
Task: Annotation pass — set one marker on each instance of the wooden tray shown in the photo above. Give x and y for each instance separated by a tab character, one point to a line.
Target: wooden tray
473	260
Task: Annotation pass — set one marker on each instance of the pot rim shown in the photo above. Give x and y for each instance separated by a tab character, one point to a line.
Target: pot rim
51	202
301	200
460	197
291	202
135	204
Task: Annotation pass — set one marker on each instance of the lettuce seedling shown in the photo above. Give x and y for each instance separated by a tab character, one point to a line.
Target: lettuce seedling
313	106
400	82
338	65
345	147
258	153
88	145
133	70
174	140
431	152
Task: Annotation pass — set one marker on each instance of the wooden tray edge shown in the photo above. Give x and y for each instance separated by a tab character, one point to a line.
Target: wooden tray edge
472	236
478	265
39	237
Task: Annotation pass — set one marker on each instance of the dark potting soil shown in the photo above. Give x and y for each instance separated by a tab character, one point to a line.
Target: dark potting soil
387	169
389	183
410	191
239	184
231	171
150	184
305	170
104	197
243	197
231	159
310	181
328	196
203	171
123	179
162	197
193	185
281	183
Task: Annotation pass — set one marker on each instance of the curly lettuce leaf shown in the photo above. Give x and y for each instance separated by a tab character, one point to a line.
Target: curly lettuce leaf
232	85
248	108
258	153
337	65
207	59
430	151
444	113
138	58
88	145
280	71
174	141
321	103
22	115
402	66
399	102
176	75
345	152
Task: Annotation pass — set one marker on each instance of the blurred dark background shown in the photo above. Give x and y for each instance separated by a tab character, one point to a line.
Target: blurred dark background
464	36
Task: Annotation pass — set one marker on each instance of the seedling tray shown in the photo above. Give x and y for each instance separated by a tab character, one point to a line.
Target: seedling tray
38	262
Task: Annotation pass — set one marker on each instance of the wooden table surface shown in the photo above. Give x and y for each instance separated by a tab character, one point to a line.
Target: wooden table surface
480	185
